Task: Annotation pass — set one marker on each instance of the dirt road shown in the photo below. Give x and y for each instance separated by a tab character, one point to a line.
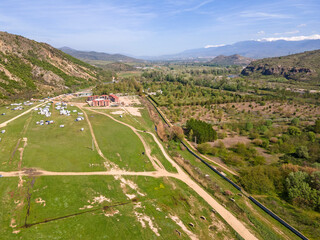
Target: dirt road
155	162
14	118
238	226
184	177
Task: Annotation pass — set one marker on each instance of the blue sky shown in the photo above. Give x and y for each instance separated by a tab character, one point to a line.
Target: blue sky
157	27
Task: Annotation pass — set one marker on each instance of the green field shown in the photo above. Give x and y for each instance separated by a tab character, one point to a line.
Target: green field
11	142
12	113
143	123
68	207
119	144
60	149
64	197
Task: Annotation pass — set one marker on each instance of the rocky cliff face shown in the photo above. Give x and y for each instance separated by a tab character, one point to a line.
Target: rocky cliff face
29	68
287	72
304	66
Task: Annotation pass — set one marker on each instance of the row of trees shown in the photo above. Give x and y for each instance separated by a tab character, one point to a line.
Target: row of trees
202	131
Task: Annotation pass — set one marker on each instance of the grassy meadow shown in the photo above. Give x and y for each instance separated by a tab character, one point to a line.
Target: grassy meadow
63	201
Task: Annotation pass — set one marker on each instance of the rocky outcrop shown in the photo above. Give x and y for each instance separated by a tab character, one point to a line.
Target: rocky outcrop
304	66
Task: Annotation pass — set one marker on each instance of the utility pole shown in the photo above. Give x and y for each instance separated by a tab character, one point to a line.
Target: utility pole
195	139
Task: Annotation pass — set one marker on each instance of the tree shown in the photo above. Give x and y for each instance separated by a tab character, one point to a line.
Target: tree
249	126
178	132
257	180
317	126
302	152
315	180
191	135
311	136
202	130
298	189
295	121
294	131
268	123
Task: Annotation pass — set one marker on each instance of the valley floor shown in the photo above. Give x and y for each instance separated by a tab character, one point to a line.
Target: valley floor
102	178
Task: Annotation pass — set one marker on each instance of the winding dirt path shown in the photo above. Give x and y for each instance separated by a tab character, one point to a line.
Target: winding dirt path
155	162
211	160
225	214
238	226
184	177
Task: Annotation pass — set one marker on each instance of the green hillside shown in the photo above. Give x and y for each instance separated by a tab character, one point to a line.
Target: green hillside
301	67
32	69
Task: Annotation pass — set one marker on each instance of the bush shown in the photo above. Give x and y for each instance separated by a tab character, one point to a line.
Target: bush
317	126
302	152
254	134
222	135
294	131
257	142
268	123
249	126
273	139
265	144
204	148
311	136
261	179
234	160
295	121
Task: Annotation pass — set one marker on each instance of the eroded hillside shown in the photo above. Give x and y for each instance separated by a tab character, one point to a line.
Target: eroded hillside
29	68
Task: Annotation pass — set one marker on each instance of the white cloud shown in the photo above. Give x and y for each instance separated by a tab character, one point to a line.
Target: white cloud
261	33
191	9
213	46
296	38
302	25
286	33
263	15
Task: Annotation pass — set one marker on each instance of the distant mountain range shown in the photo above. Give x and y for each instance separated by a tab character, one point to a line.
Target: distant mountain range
301	67
235	59
250	49
91	55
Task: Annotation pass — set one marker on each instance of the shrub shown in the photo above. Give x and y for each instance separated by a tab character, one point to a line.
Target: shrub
204	148
302	152
254	134
273	139
311	136
294	131
317	126
295	121
249	126
265	144
257	142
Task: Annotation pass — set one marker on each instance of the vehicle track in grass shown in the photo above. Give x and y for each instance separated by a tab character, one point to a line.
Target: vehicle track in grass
20	115
184	177
238	226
